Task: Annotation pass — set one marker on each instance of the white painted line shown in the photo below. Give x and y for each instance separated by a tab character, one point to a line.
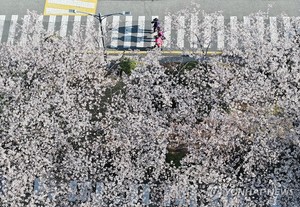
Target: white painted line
273	30
207	31
194	31
260	28
180	32
89	34
233	31
38	27
104	32
51	24
297	25
12	29
73	3
76	26
64	26
2	21
54	11
287	27
153	34
140	32
24	31
128	31
247	31
167	31
104	26
220	32
115	32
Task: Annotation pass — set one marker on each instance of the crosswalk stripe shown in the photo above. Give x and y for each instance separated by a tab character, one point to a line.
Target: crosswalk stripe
297	20
233	31
153	40
51	24
76	26
247	28
220	32
261	28
167	31
25	25
12	29
211	34
104	32
89	29
37	29
140	32
2	21
115	32
128	31
287	27
273	30
194	31
180	32
207	31
63	26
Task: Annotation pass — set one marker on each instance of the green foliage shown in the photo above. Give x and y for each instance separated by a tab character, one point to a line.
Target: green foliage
174	157
127	65
190	65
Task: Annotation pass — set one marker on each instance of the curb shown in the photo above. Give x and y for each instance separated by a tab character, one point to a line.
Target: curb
169	52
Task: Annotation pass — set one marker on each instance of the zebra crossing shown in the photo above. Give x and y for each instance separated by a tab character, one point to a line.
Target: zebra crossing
135	32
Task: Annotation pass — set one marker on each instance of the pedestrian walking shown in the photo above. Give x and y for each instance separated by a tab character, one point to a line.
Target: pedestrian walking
160	33
158	42
156	24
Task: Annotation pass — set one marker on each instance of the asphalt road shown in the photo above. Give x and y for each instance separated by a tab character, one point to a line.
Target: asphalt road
134	31
237	8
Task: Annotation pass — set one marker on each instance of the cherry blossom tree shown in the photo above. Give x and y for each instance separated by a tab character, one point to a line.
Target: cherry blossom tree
221	131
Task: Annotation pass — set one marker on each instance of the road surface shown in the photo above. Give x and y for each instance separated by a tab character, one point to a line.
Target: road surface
133	32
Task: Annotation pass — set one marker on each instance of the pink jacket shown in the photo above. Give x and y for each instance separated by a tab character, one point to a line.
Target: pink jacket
159	41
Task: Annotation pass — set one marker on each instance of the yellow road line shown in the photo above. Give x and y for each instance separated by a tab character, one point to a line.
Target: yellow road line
62	7
171	52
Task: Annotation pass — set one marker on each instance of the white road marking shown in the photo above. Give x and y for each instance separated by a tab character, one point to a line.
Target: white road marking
260	28
153	34
273	30
233	31
2	21
140	32
76	26
167	31
64	26
207	31
194	31
287	27
38	27
24	31
128	31
115	32
220	32
102	36
12	29
51	24
180	32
